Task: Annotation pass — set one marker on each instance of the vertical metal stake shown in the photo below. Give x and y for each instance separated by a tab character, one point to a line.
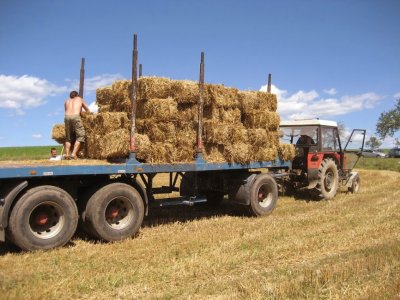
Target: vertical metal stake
82	77
269	83
140	70
134	94
201	107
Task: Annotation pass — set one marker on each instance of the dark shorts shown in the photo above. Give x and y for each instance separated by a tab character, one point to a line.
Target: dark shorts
74	128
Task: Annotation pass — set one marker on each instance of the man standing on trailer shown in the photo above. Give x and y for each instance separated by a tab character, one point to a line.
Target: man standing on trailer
73	123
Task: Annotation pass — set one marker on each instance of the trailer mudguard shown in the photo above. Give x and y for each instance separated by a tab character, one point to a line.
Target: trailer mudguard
240	188
8	193
142	191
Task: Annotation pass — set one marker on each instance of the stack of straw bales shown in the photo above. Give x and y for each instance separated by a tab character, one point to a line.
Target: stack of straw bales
239	126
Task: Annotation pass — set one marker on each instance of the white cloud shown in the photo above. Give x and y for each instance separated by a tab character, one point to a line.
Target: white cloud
308	105
397	95
331	91
36	136
93	83
93	107
20	93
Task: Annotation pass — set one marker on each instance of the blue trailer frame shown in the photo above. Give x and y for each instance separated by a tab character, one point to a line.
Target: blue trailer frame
130	166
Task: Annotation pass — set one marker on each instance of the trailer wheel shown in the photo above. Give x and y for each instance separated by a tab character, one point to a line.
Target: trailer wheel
44	217
328	180
115	212
263	195
355	185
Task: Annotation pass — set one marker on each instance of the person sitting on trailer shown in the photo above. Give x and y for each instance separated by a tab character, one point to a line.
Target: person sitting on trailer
73	123
53	154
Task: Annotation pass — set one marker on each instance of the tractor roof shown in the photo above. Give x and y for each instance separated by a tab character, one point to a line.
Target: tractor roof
309	123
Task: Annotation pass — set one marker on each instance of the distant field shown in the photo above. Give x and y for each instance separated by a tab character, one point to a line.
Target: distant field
27	153
372	163
345	248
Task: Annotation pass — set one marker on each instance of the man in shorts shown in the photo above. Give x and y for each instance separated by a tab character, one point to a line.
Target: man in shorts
73	123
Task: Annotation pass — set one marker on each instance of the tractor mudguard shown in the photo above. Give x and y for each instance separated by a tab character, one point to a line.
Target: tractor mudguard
312	178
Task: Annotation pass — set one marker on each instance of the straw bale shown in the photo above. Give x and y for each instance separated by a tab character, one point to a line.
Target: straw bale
187	112
115	144
258	137
113	121
238	153
103	123
160	132
222	96
261	119
263	138
92	145
161	109
122	89
104	108
250	100
286	151
58	133
213	153
223	133
185	146
154	87
104	96
264	154
186	92
226	115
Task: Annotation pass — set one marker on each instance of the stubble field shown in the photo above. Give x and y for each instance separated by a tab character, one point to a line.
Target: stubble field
348	247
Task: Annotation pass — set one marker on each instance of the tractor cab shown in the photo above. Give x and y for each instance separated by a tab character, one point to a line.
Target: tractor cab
313	140
320	161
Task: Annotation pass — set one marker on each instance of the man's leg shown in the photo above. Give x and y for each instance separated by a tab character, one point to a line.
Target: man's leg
76	149
67	148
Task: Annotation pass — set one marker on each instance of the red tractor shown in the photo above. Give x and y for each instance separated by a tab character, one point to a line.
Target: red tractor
321	164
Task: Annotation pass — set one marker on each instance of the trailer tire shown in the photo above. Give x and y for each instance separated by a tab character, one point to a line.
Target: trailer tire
115	212
263	195
355	185
83	224
44	217
328	180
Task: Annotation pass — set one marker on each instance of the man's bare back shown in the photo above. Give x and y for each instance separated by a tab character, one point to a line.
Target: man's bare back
73	123
73	106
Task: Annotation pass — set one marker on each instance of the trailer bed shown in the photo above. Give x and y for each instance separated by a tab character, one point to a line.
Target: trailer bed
40	168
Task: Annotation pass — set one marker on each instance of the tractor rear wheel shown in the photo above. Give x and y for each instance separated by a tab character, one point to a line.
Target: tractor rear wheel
328	180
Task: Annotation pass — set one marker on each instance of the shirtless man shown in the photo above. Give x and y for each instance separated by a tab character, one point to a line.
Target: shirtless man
73	123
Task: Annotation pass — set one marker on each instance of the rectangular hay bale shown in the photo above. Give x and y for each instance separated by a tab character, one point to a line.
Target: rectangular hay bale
250	100
58	133
261	119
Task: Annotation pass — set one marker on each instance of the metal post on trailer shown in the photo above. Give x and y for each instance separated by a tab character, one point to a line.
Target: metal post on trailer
132	150
82	77
140	70
200	112
269	83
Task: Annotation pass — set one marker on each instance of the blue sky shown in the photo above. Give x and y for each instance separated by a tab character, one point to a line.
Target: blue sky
336	60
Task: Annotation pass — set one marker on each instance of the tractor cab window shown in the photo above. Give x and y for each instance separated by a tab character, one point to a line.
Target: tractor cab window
329	139
301	136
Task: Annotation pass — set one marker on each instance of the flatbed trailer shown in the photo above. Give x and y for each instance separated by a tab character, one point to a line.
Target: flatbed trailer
41	202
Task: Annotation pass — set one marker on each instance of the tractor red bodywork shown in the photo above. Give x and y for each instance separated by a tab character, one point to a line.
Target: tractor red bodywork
315	141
